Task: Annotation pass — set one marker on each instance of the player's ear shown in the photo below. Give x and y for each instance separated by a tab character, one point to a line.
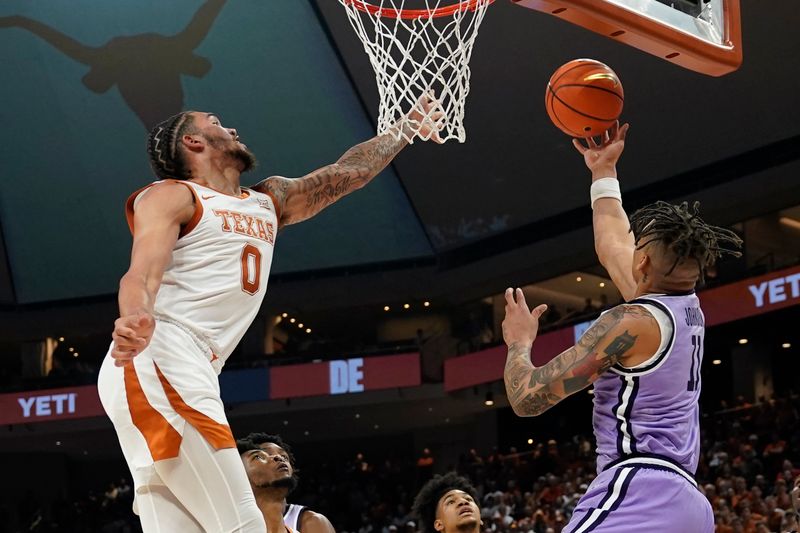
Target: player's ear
644	263
438	525
193	142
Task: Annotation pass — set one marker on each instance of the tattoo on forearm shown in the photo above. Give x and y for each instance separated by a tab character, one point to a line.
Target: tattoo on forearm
549	372
328	193
517	371
304	197
537	403
367	159
353	170
532	390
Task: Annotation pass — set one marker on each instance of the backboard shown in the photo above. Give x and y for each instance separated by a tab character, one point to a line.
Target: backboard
700	35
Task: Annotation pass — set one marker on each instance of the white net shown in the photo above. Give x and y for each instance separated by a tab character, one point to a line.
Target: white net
415	52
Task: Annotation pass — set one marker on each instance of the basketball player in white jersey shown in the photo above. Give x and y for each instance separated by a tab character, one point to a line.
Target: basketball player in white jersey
643	357
202	250
270	468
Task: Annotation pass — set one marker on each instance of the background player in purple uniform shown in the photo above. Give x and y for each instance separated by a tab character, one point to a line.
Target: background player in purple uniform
643	357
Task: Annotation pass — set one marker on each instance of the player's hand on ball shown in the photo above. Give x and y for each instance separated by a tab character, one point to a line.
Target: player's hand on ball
602	158
131	335
427	117
520	325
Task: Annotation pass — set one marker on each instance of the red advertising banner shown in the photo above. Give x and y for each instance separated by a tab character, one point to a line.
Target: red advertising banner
487	366
345	376
294	381
751	297
53	404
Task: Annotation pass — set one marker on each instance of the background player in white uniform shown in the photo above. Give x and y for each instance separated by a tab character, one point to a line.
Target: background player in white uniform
270	468
202	249
643	357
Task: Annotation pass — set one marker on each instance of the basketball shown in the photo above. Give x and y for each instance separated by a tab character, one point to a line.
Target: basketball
584	97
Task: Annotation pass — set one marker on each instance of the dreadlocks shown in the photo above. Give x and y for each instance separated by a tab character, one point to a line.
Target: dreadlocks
683	233
429	495
163	146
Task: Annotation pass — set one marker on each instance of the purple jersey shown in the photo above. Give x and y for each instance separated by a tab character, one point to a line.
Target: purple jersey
651	411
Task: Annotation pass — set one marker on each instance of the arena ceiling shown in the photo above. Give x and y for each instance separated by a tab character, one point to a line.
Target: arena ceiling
84	80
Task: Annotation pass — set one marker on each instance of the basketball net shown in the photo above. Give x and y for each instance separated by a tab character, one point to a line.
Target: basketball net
417	51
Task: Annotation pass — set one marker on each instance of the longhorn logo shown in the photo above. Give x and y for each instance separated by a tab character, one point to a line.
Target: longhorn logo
146	68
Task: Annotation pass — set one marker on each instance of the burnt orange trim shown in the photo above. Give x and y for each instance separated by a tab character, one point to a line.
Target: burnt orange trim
129	205
275	204
218	435
162	439
186	228
198	212
245	192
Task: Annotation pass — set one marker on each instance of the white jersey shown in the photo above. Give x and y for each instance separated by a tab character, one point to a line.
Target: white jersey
216	281
291	518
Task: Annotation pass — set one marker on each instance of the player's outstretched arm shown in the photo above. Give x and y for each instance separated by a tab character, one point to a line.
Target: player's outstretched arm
157	221
613	240
299	199
623	332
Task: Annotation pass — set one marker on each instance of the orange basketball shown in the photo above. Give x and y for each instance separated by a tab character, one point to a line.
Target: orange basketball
584	97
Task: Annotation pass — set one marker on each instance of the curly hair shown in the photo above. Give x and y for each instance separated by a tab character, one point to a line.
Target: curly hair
683	233
427	499
163	148
254	441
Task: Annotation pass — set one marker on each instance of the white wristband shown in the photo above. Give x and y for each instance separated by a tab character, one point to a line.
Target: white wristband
605	188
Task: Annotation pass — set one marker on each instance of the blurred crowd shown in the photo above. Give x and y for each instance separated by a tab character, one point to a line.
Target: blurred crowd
97	511
749	464
750	461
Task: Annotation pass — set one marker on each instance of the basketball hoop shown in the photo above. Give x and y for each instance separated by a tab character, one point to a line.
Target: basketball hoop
415	51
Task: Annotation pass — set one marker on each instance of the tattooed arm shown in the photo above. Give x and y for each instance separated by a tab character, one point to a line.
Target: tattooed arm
627	334
301	198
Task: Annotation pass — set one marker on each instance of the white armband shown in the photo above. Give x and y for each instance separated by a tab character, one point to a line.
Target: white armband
605	188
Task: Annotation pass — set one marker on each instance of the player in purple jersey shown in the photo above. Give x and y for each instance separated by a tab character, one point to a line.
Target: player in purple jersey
643	358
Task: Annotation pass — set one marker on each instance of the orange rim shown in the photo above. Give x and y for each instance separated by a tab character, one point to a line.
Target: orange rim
445	11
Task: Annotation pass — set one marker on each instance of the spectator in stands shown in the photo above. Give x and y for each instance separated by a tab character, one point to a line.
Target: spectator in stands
425	466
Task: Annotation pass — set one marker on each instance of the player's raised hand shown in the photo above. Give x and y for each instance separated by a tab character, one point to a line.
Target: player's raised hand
427	117
602	158
132	334
521	325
